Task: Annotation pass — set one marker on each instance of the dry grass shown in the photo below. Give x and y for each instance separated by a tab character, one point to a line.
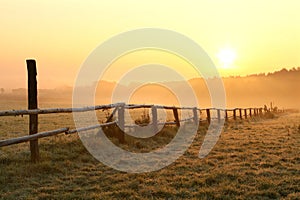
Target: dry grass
254	159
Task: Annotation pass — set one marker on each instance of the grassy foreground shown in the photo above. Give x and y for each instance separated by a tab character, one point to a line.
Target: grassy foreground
254	159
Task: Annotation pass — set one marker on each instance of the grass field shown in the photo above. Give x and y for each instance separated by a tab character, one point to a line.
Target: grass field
253	159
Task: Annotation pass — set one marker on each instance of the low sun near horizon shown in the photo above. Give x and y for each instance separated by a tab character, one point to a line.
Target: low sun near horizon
238	41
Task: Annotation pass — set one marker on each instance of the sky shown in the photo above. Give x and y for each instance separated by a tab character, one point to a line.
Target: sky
241	37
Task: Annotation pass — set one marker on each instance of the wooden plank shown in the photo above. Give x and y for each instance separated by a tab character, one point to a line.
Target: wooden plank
219	115
176	117
121	124
208	115
32	137
135	106
57	110
91	108
172	107
154	119
260	111
245	112
241	115
234	114
32	104
195	115
109	119
226	115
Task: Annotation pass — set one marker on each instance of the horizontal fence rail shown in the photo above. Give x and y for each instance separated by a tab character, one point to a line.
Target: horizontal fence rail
56	110
32	137
177	121
50	133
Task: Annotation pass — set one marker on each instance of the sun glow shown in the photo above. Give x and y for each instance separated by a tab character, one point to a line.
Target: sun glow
226	57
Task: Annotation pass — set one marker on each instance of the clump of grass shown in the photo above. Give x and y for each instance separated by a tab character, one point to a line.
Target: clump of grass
4	159
134	144
144	120
269	115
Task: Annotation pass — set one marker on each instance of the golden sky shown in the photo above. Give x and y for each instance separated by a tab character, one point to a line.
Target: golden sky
263	35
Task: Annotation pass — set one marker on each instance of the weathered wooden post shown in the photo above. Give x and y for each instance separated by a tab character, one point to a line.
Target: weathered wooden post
226	115
260	111
241	115
154	119
234	114
250	112
208	115
245	111
219	115
175	113
121	123
33	104
195	113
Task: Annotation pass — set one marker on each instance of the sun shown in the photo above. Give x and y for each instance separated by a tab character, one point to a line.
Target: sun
226	57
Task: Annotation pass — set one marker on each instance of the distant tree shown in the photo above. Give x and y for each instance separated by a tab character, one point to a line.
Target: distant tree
2	90
283	70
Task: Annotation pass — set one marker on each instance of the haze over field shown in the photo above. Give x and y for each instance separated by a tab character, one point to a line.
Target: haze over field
280	87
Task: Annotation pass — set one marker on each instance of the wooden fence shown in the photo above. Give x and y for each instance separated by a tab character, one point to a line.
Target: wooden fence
117	114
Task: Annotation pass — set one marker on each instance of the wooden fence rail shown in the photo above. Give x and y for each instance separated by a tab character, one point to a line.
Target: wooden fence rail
120	109
57	110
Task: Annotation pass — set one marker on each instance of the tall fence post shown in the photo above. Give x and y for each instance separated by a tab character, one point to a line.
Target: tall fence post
195	113
245	111
33	104
208	115
234	114
226	115
219	115
250	112
154	119
241	115
175	113
260	111
121	123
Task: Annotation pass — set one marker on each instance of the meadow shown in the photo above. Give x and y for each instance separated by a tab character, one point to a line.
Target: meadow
256	158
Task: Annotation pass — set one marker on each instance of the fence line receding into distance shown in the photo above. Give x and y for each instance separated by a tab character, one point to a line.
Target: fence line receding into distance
118	109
